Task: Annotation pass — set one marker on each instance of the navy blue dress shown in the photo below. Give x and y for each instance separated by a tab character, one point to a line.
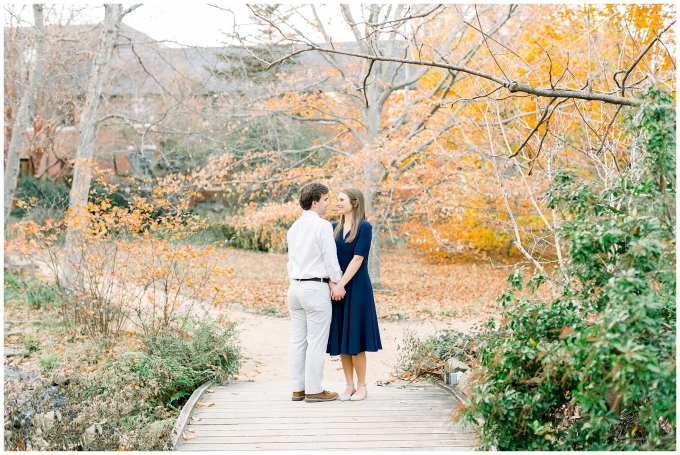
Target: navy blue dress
354	325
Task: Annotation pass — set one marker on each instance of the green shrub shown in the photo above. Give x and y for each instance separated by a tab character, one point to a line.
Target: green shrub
426	357
450	343
176	362
42	200
28	289
49	199
595	368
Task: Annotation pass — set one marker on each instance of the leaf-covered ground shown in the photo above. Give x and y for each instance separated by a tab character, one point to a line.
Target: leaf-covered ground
460	290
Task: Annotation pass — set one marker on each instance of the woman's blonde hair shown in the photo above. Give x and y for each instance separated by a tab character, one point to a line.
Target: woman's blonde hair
356	198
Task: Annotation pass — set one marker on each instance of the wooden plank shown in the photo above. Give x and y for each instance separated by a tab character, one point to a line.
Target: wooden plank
213	430
286	395
338	428
441	419
293	436
320	442
241	413
427	414
371	390
368	402
301	417
237	413
287	398
209	448
385	420
277	390
333	405
321	445
274	387
320	424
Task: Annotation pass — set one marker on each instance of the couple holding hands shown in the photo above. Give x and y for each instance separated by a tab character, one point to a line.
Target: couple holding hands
330	299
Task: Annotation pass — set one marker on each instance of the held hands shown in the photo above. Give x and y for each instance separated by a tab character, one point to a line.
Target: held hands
337	291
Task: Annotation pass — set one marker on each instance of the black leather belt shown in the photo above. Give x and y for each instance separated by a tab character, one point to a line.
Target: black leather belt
321	280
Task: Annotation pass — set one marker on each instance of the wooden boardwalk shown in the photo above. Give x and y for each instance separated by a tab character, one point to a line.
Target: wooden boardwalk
261	416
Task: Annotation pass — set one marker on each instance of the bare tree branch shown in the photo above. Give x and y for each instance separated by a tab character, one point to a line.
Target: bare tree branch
479	21
538	124
406	18
622	85
513	86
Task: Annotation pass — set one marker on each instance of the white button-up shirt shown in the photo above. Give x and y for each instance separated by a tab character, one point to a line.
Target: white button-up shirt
311	249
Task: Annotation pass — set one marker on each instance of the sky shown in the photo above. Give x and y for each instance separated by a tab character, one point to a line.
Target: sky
191	24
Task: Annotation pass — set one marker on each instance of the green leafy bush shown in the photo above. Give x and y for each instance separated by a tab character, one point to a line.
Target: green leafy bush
426	356
25	287
45	199
50	199
176	362
595	368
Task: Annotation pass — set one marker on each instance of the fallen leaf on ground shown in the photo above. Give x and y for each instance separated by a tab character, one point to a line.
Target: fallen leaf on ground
463	290
201	405
187	438
210	391
196	418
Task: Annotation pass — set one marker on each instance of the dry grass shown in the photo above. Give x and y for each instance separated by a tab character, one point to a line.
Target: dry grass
460	290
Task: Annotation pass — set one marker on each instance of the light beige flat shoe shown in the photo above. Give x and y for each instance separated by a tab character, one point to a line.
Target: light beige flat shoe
356	397
344	397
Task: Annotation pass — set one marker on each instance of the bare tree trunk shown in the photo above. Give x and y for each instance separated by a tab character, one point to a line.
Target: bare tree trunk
25	111
87	135
373	117
374	254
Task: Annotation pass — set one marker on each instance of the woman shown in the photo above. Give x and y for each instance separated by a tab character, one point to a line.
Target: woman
354	324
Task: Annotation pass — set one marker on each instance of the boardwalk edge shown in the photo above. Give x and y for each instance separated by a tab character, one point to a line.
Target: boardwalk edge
457	394
184	415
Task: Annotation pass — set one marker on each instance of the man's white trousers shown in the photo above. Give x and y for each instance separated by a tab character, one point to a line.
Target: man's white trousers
309	303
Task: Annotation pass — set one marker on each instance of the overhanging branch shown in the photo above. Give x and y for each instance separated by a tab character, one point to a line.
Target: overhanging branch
513	86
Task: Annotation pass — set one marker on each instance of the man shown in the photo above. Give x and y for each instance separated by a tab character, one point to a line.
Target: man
313	270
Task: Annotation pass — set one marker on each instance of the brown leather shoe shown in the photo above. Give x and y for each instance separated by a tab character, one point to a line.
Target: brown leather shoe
323	396
298	396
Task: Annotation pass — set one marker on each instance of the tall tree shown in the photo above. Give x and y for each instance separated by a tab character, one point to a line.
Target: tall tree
364	90
87	135
26	110
516	78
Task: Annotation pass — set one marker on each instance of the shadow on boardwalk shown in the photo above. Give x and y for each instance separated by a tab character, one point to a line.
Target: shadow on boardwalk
261	416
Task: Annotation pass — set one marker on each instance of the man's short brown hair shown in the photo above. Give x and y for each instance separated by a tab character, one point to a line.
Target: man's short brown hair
311	192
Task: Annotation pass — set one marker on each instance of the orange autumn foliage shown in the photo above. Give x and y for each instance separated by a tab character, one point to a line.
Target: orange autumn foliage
138	269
